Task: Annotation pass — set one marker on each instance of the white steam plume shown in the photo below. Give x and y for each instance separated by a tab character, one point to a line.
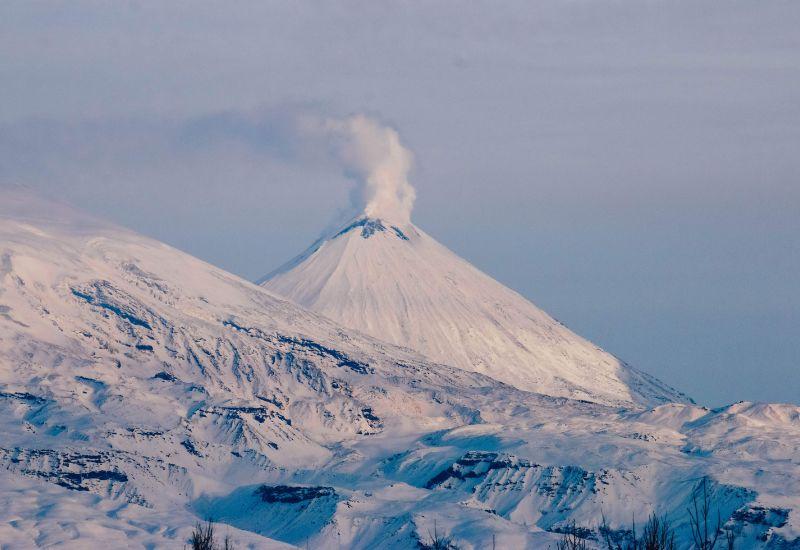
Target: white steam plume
380	164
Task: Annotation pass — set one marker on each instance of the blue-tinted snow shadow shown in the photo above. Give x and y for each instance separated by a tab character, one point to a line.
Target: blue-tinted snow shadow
291	514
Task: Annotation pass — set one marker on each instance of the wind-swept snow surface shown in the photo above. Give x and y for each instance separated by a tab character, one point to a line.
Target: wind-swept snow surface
142	389
394	282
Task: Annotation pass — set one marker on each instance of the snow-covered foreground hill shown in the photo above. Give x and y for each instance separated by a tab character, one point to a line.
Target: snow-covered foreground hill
142	389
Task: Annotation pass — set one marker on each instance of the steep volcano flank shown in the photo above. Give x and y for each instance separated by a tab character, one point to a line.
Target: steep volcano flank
396	283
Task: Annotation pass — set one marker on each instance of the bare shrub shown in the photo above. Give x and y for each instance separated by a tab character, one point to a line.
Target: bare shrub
571	541
438	541
658	534
704	536
204	538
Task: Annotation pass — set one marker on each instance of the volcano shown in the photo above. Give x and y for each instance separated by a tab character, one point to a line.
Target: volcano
394	282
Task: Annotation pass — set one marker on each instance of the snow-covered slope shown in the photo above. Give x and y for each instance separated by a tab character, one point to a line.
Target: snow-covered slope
394	282
142	389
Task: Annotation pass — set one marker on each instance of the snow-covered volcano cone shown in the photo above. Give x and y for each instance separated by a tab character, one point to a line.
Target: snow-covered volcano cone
382	275
396	283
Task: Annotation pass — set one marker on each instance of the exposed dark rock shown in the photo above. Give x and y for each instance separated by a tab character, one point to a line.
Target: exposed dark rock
74	470
572	529
368	227
371	418
73	480
24	396
292	495
273	400
90	381
163	375
259	414
304	345
145	433
98	297
343	359
189	445
759	515
399	233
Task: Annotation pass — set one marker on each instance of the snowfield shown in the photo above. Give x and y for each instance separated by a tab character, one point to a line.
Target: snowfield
142	389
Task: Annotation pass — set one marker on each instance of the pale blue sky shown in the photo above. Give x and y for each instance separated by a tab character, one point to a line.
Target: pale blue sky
631	166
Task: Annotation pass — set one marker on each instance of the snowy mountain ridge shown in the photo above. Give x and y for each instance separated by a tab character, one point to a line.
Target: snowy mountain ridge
142	389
